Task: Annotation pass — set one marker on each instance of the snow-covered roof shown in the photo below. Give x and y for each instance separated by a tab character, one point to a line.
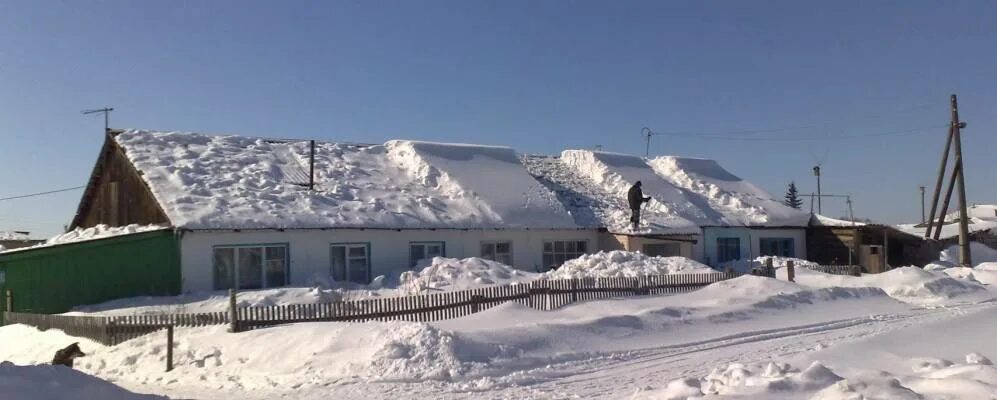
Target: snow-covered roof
671	210
100	231
739	201
982	217
234	182
229	182
822	220
10	235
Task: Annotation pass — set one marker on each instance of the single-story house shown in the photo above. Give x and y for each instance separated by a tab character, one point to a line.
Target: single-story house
875	247
253	212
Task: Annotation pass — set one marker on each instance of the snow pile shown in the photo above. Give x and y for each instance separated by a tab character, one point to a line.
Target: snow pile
488	175
447	274
908	284
740	201
47	382
938	379
981	253
306	355
671	210
618	263
984	273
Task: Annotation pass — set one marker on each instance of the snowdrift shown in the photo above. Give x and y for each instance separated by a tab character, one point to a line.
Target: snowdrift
620	263
976	378
738	200
287	357
908	284
447	274
47	382
981	253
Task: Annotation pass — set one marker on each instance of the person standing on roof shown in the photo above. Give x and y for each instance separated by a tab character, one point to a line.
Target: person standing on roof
636	198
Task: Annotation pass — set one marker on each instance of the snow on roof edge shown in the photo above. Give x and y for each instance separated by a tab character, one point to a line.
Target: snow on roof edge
83	235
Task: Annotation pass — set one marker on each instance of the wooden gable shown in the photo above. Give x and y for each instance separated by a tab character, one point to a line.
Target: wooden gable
116	195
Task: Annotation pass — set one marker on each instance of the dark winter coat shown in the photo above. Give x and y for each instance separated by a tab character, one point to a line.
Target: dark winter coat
636	197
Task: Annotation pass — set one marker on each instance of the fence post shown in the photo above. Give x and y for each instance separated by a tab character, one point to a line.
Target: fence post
790	271
475	303
233	314
769	270
9	301
169	348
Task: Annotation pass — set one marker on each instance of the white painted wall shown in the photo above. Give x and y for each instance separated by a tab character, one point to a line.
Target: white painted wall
799	237
309	249
749	238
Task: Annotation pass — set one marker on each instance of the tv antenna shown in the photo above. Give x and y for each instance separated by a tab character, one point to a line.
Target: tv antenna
106	111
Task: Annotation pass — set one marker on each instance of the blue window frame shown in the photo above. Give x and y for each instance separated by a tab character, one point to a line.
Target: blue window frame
777	247
350	262
728	249
422	250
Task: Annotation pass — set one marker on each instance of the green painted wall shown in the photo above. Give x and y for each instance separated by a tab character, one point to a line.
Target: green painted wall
55	279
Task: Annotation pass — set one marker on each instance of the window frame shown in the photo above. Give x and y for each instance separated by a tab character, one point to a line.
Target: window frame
564	252
263	259
495	252
788	245
677	246
346	268
443	250
727	240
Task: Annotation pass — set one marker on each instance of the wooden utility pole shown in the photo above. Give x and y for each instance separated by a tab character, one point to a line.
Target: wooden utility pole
965	258
817	174
938	184
956	169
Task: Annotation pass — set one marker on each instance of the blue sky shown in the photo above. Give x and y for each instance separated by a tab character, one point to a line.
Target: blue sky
540	76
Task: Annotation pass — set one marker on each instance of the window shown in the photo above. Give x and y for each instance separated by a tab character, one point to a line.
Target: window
556	252
499	251
423	250
728	249
350	262
662	249
777	247
250	267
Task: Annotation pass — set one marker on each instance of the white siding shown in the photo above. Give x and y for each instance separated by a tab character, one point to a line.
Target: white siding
309	249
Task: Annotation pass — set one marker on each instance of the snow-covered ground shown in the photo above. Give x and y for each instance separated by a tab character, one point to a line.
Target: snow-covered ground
902	331
433	275
47	382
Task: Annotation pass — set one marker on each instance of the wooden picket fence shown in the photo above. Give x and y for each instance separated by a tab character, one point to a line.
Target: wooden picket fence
835	269
540	294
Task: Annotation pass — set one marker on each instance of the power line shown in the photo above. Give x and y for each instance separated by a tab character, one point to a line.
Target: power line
41	193
801	138
815	125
